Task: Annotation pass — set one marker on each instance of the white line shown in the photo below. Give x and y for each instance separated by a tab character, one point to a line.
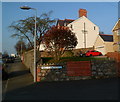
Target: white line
5	89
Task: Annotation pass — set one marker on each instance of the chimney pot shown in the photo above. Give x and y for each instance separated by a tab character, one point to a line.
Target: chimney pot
82	12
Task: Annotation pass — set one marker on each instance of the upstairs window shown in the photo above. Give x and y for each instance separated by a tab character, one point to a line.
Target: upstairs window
65	24
94	27
118	33
71	26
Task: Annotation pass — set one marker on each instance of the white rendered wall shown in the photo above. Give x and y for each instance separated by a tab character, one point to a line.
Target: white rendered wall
91	34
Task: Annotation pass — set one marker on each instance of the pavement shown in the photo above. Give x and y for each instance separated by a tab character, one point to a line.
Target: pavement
19	76
20	87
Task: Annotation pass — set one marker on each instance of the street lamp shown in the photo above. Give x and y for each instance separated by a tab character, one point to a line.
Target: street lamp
28	8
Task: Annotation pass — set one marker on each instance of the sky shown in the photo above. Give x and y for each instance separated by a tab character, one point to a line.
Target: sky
103	14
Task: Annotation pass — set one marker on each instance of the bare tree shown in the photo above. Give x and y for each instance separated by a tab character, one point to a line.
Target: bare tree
25	28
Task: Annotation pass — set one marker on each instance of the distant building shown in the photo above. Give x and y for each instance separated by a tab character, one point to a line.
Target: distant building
13	55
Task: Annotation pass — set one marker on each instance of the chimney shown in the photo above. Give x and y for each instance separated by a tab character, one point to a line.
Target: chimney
82	12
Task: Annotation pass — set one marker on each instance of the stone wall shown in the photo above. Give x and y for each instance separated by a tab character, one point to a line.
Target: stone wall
51	74
56	75
103	68
100	69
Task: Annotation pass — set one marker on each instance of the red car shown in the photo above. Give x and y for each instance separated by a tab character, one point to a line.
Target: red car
93	53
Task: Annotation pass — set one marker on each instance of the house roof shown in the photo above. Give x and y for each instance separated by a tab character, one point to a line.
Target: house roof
117	25
65	21
106	37
84	19
60	22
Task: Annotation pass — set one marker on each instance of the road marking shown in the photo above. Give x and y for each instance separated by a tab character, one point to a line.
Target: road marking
4	95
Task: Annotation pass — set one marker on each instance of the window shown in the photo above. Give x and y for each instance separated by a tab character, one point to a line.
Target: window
65	24
71	26
118	32
94	28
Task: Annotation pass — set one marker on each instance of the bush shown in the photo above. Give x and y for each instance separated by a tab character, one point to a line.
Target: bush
68	54
46	59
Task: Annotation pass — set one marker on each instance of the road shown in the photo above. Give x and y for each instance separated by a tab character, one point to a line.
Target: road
20	86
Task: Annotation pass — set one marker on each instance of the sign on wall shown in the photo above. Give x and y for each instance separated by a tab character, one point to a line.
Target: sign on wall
51	67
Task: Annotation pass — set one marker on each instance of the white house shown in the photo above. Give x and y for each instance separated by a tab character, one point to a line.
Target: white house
85	30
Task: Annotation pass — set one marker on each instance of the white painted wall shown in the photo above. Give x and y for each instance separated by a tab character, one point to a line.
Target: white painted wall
102	46
99	45
42	47
91	35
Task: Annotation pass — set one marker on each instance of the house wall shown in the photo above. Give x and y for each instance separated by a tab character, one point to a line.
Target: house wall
100	45
116	39
116	36
109	47
91	34
42	47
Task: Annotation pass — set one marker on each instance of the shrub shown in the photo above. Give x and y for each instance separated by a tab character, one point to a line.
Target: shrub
68	54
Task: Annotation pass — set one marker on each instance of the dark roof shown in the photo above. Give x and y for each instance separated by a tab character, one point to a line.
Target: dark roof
63	22
67	21
60	22
106	37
